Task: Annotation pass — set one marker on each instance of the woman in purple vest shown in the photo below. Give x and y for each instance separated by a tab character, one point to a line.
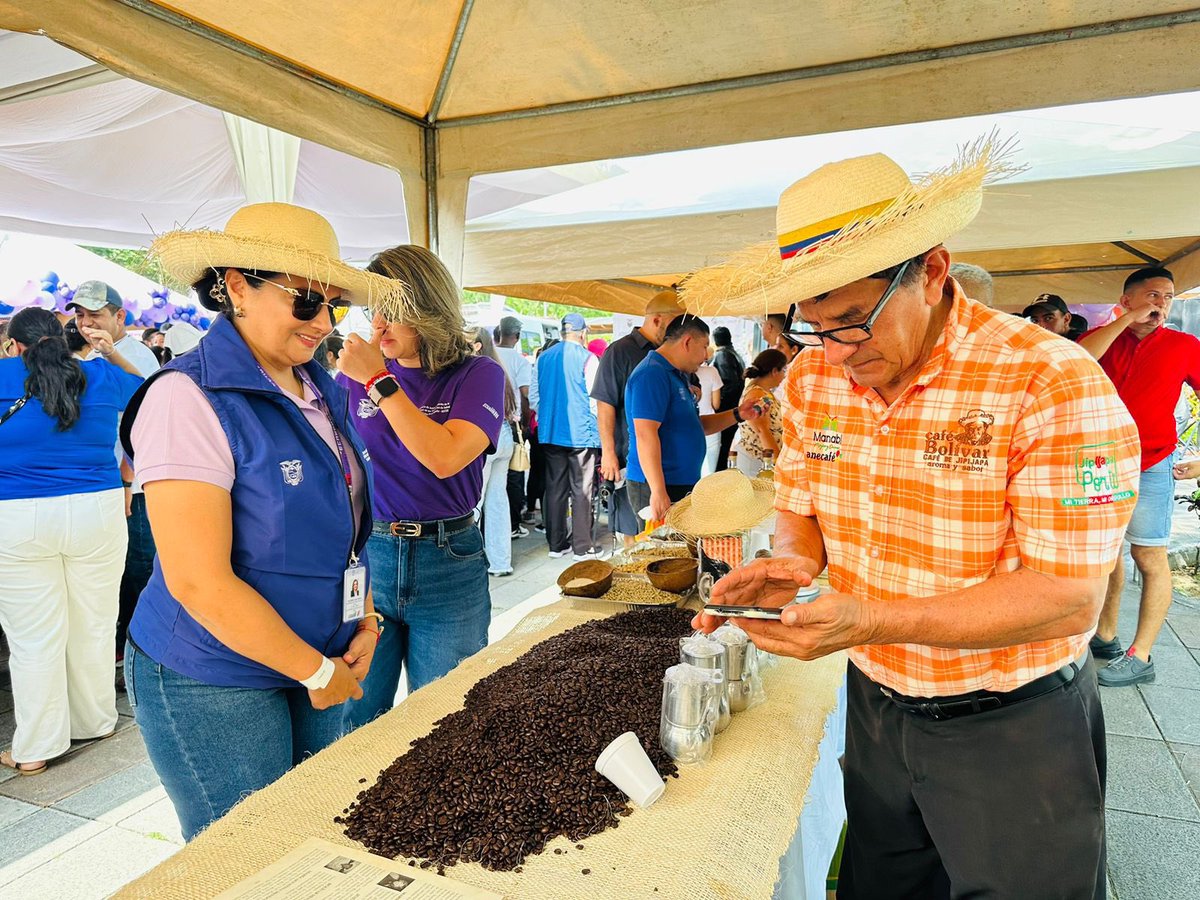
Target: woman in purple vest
250	634
428	411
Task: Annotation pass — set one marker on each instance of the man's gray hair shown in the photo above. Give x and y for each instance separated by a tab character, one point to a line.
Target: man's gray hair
976	282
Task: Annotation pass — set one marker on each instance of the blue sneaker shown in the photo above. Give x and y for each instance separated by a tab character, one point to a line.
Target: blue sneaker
1126	672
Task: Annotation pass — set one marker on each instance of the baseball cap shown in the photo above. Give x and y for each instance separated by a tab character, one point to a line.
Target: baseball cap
664	302
1046	303
94	296
573	322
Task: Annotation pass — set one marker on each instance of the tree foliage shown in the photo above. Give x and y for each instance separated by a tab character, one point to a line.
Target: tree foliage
134	260
535	308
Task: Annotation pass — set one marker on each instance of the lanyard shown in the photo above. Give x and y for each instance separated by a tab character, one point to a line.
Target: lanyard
343	458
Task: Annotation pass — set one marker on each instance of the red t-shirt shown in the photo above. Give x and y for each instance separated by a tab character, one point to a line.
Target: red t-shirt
1149	374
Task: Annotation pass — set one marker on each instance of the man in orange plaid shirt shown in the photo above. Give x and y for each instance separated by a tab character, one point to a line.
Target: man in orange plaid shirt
966	477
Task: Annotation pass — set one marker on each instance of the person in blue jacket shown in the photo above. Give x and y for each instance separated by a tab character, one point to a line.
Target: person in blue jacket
62	534
249	633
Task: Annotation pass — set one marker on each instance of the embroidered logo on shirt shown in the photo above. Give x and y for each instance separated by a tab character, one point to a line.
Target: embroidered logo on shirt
962	449
1096	474
827	441
293	472
366	408
490	409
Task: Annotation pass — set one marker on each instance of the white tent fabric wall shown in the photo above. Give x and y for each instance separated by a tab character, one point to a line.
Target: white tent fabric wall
266	160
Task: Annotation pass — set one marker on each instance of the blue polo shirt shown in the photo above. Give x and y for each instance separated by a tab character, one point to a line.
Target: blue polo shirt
657	390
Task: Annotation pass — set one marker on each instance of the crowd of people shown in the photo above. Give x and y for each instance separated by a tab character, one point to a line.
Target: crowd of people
291	519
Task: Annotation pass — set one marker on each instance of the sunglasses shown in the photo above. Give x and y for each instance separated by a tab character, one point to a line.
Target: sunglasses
307	303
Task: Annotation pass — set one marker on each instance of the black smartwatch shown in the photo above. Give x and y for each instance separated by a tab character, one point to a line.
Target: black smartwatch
737	415
383	388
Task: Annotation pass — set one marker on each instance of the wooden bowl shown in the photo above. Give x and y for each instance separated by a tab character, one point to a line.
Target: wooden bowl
675	574
590	578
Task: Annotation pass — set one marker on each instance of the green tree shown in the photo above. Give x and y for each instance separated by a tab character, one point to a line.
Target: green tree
535	308
134	260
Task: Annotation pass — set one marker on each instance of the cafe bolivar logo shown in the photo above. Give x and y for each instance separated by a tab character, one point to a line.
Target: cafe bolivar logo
961	449
826	441
1096	474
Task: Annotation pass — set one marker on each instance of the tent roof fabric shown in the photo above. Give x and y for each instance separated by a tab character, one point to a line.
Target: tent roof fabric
444	93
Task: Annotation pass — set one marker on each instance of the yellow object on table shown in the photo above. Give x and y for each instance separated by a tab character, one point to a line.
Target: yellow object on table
718	832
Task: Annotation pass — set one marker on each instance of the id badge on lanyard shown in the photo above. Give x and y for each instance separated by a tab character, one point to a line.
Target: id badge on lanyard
354	592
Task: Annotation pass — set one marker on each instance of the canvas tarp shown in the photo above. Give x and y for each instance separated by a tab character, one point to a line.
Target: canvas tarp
444	92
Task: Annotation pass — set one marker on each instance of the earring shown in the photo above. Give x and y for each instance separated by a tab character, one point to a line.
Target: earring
217	291
238	312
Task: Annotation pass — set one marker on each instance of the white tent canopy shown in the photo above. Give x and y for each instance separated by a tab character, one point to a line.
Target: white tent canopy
444	93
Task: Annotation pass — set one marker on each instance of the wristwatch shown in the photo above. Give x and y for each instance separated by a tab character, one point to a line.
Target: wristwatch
737	415
383	388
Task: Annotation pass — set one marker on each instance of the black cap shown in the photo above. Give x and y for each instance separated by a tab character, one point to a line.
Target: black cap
1046	303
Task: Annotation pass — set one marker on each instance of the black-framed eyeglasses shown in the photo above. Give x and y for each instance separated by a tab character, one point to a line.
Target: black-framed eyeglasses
307	303
846	334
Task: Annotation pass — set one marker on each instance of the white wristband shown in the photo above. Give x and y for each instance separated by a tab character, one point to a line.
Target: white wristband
319	679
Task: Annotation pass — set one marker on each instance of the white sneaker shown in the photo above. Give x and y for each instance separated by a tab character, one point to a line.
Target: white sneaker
558	554
499	573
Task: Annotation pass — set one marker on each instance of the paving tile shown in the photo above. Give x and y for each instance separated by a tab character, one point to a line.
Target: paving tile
1184	622
82	768
123	707
93	869
112	792
1188	758
1125	712
13	811
158	820
1153	858
1176	710
1143	777
30	834
1175	667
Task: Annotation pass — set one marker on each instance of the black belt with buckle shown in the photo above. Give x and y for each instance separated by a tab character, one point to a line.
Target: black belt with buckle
429	529
955	707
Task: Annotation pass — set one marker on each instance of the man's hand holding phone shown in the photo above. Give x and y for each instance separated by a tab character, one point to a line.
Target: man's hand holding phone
761	583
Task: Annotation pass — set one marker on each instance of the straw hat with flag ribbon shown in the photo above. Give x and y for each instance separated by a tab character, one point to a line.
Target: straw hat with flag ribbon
846	221
278	237
723	503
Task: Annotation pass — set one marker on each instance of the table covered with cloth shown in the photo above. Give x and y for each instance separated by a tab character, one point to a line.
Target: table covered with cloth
719	831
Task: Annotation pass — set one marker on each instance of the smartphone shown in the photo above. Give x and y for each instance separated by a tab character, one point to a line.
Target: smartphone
744	612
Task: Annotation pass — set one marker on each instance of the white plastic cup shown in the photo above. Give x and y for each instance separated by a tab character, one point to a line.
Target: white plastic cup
624	762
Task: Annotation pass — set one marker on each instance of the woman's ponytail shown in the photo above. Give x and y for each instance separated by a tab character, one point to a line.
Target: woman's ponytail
765	363
55	376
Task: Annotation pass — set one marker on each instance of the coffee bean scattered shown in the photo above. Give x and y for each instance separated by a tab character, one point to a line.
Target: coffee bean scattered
586	872
362	781
514	769
579	846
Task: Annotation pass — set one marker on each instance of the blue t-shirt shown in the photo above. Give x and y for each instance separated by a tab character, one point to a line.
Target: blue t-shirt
41	461
657	390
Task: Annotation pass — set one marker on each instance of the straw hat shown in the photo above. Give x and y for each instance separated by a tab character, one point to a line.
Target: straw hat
276	237
722	503
846	221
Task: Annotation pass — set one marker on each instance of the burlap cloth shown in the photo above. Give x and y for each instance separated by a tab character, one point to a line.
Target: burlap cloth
718	832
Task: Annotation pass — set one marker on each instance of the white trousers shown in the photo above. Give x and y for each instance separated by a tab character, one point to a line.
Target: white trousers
61	560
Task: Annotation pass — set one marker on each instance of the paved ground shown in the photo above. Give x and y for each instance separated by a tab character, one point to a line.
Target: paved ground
99	817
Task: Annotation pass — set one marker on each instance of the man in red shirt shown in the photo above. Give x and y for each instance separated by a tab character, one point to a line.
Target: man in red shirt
1149	364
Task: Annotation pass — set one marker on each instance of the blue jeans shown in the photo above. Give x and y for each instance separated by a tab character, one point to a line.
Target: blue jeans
139	564
497	523
433	594
213	745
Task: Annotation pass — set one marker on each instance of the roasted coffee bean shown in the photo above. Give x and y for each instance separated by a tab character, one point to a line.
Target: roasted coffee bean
514	769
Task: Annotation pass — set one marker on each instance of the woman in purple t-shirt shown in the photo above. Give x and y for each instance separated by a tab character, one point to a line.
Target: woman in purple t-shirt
428	412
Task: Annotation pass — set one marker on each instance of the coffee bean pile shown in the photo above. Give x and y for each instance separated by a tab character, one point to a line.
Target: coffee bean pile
514	769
